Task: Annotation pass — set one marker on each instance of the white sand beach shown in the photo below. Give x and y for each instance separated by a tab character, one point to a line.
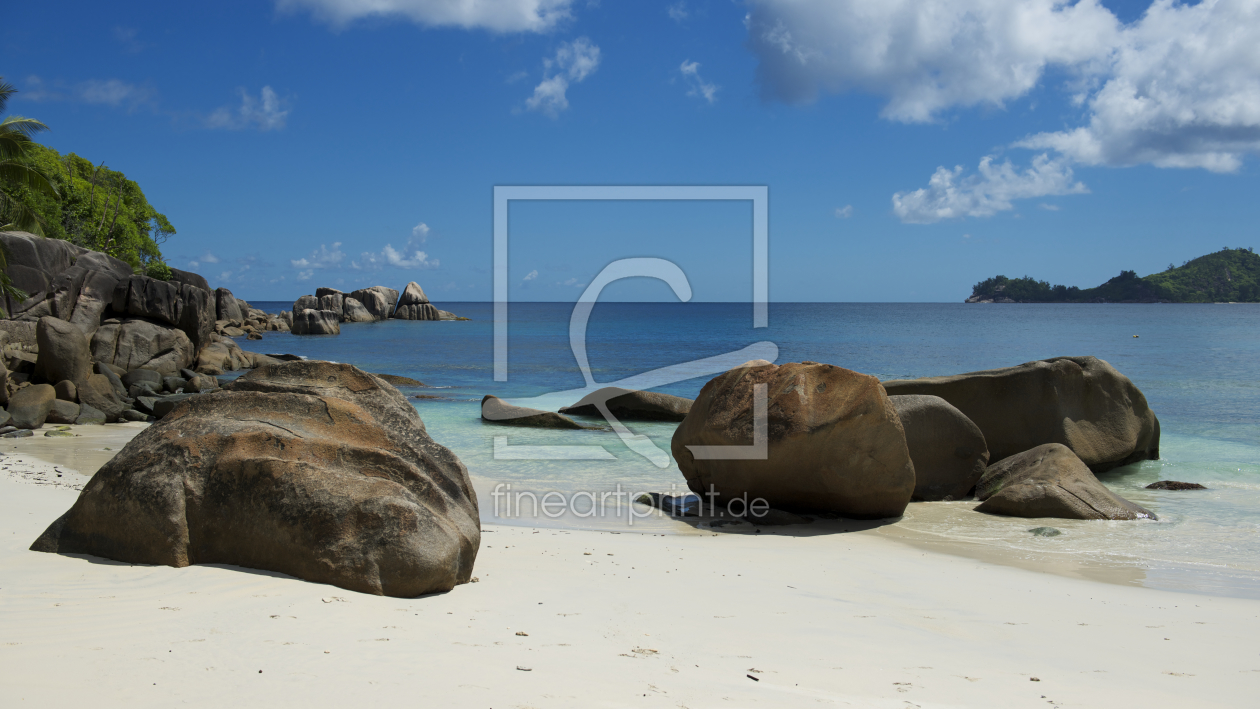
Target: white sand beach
600	619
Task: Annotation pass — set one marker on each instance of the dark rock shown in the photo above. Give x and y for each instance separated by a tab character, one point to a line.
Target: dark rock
306	302
89	416
63	351
133	415
111	374
401	381
142	389
689	505
135	343
174	384
1045	532
146	297
1050	481
834	442
496	410
289	358
5	419
187	373
311	469
95	295
166	404
63	412
145	403
30	406
66	390
316	322
324	292
196	317
1174	485
1081	402
191	279
630	405
137	376
353	311
23	433
99	393
948	450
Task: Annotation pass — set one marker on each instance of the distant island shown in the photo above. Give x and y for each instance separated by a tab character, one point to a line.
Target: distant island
1229	275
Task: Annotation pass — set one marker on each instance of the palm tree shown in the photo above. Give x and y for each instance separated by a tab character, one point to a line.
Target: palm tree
15	141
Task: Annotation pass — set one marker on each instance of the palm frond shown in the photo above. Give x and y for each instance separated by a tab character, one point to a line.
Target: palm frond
25	126
6	90
16	216
31	177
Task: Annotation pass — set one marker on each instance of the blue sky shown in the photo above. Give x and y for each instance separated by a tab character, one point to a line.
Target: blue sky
910	148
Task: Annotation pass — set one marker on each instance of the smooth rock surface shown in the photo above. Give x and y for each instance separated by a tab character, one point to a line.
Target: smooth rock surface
63	351
630	405
1051	481
316	322
947	448
834	442
311	469
496	410
30	405
1081	402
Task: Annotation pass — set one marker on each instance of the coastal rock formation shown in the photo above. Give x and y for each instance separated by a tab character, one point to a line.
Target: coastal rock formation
63	352
378	300
631	405
834	442
226	307
353	311
313	469
1174	485
1050	481
316	322
1081	402
496	410
414	305
134	343
948	450
29	406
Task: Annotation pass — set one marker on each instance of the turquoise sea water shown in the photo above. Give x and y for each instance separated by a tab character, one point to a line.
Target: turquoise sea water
1198	365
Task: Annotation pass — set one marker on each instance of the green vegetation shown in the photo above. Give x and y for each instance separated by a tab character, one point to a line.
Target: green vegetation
1229	275
67	197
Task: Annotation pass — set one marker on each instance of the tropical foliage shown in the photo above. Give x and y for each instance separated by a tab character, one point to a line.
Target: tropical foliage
1228	275
17	177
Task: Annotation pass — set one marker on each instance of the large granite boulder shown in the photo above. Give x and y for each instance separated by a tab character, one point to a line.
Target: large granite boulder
63	352
353	311
195	280
378	300
331	300
834	442
631	405
305	302
947	448
136	342
1081	402
98	391
30	406
53	273
316	322
226	307
1050	481
187	307
312	469
224	355
95	295
496	410
414	305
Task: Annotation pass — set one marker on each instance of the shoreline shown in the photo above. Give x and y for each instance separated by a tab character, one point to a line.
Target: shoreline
61	462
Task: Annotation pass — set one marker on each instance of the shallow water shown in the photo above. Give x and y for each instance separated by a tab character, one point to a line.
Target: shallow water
1196	364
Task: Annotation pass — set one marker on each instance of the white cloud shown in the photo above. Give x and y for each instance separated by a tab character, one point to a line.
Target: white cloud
267	112
1177	87
208	257
699	87
923	55
571	282
323	257
574	61
493	15
103	92
305	275
420	232
226	275
844	212
678	12
1182	89
951	196
1050	207
530	276
409	256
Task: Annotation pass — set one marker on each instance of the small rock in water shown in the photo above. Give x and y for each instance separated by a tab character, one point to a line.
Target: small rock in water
58	434
20	433
1045	532
688	505
1174	485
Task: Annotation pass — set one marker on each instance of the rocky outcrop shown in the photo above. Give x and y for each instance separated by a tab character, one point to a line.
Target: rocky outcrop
63	352
353	311
498	411
1050	481
1174	485
1081	402
946	447
226	308
312	469
134	343
631	405
833	441
414	305
186	307
378	300
316	322
30	406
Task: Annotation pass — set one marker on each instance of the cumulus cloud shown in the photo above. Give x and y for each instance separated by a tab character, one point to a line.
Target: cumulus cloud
420	232
950	195
409	256
699	87
678	12
305	275
266	112
323	257
1177	87
1182	89
531	275
571	282
844	212
493	15
923	55
574	61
